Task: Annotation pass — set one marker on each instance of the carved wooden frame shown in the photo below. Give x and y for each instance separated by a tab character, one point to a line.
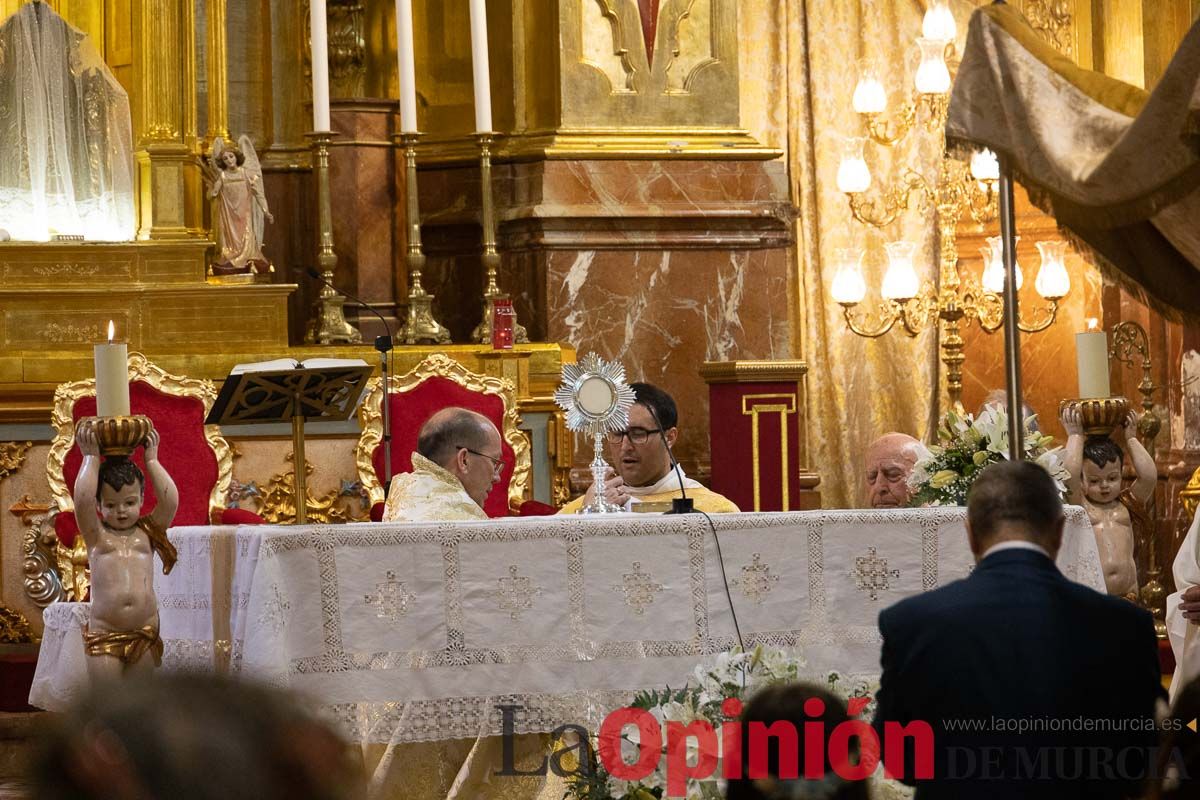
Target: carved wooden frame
370	417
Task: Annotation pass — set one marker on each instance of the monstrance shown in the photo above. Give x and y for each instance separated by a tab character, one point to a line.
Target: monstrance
597	399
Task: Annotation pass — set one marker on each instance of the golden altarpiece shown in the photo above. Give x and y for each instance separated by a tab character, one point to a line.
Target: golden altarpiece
618	146
634	214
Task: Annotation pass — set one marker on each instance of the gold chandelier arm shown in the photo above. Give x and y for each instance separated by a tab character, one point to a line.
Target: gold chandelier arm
887	132
872	326
920	312
1042	318
984	306
981	200
912	192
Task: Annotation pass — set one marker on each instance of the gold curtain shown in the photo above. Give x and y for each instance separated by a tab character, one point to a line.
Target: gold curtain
799	69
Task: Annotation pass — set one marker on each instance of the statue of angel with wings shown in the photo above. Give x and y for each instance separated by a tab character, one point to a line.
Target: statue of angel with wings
233	176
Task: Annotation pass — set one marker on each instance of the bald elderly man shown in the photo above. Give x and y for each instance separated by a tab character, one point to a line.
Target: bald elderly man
457	462
890	459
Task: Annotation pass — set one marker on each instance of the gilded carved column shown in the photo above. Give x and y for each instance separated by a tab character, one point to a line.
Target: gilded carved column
216	62
163	156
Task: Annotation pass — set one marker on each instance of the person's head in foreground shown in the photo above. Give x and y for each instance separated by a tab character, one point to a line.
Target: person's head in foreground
193	737
890	459
638	451
1014	501
785	779
467	445
120	492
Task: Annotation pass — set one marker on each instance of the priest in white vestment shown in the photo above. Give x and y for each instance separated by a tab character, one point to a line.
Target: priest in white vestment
1183	610
644	473
458	461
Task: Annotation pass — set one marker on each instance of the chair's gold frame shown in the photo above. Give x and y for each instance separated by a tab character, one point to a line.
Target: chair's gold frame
370	417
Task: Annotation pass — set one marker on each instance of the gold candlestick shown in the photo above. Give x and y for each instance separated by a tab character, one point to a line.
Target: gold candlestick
118	436
329	325
421	326
491	258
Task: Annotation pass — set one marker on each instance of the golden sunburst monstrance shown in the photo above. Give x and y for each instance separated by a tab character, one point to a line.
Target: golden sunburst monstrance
597	399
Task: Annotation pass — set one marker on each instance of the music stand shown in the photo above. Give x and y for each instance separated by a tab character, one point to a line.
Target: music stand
327	393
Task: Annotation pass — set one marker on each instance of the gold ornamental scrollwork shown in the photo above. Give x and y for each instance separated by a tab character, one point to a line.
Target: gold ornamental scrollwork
277	500
14	628
370	417
141	370
1051	19
12	456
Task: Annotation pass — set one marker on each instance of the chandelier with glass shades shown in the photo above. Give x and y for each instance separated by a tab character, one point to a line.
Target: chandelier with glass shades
960	190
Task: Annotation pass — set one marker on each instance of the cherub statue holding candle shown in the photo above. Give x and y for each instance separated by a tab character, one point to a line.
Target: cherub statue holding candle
1119	517
122	636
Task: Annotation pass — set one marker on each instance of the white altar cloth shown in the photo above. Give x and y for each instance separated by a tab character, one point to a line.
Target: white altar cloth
417	632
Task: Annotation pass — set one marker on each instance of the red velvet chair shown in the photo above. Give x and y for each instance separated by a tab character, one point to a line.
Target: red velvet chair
197	457
434	384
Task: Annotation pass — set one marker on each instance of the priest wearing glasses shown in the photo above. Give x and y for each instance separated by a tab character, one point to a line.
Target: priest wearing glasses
457	462
643	473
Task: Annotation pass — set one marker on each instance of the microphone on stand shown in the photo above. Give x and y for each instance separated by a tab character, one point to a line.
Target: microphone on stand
384	345
682	504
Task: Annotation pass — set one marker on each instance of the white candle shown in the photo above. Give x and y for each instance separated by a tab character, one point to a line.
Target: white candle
408	70
1091	353
320	65
479	61
112	378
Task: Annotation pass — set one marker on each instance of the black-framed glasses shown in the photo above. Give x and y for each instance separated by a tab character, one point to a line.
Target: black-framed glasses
636	435
497	463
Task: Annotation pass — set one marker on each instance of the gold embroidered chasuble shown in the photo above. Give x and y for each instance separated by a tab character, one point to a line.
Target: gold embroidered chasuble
666	489
429	493
455	769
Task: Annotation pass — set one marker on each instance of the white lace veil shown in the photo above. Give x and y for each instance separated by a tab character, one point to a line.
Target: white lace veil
67	164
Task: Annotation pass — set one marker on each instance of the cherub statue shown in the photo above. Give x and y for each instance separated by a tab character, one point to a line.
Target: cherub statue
1118	517
121	545
233	175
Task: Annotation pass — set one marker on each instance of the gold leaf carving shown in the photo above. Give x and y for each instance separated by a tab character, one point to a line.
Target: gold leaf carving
690	43
73	270
69	333
12	456
1052	20
604	45
277	504
14	628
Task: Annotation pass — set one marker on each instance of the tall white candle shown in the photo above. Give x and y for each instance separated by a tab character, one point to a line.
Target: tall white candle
1091	354
408	70
112	377
479	60
320	65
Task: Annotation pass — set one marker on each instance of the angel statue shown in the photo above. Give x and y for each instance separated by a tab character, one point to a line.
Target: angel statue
233	176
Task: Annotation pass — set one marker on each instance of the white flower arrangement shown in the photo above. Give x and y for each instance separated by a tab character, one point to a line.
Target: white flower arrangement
732	675
966	445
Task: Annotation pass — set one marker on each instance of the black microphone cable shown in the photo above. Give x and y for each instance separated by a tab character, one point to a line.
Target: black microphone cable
688	506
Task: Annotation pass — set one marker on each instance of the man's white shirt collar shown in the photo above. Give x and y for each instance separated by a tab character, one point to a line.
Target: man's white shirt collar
1017	544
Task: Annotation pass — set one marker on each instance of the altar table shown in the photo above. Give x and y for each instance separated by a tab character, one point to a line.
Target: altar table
419	632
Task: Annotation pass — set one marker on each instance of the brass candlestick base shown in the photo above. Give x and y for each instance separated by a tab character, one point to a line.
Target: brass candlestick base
491	258
1100	415
421	327
118	436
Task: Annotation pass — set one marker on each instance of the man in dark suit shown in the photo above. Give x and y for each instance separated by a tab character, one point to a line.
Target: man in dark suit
1033	685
